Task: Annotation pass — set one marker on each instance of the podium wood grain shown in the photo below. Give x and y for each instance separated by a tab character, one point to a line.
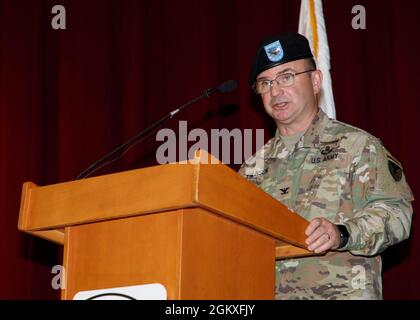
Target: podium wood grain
200	229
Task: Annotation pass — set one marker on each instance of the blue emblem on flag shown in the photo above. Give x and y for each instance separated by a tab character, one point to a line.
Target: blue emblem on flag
274	51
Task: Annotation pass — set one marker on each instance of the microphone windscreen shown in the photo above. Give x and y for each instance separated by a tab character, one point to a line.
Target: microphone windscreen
227	86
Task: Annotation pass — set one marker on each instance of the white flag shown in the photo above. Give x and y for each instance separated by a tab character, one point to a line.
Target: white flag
312	26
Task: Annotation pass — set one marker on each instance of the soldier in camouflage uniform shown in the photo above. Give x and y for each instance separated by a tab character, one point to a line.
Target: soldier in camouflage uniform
338	177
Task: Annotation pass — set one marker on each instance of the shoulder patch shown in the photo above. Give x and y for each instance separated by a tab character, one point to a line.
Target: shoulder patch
390	177
394	166
395	170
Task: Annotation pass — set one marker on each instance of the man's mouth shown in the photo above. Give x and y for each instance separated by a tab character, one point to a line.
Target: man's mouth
279	106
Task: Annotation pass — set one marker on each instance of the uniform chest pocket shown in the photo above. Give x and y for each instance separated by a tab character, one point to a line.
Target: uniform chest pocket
322	187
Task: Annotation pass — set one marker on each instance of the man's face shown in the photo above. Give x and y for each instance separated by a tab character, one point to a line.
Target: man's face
292	105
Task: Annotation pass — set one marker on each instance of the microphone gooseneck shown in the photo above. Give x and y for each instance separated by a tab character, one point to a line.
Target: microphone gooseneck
118	152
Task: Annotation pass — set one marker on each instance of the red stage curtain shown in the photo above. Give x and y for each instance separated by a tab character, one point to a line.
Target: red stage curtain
69	96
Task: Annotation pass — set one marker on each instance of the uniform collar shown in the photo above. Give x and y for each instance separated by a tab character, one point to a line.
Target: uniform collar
311	138
313	135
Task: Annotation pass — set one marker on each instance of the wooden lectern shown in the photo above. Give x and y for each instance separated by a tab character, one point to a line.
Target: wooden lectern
201	230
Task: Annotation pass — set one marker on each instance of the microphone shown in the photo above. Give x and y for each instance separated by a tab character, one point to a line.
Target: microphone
121	150
227	86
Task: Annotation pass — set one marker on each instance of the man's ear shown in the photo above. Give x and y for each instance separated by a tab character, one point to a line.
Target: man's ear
317	81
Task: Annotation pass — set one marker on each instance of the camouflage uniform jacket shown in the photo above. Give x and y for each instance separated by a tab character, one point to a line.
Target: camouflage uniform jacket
345	175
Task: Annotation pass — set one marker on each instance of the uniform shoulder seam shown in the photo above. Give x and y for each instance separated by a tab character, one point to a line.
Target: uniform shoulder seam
356	129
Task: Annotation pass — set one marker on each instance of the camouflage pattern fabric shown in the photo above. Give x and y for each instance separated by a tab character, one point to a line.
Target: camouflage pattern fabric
345	175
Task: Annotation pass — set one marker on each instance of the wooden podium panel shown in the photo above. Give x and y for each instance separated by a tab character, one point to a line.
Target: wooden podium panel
193	253
201	230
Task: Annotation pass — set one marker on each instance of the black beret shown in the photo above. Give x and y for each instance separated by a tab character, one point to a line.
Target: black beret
274	51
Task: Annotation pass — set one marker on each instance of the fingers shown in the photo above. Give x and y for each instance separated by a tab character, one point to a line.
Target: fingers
321	244
313	225
322	235
315	230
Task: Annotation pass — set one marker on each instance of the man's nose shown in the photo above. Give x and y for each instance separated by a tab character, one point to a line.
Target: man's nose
276	90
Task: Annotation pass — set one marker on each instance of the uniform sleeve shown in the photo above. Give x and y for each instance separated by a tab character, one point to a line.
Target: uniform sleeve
241	170
382	202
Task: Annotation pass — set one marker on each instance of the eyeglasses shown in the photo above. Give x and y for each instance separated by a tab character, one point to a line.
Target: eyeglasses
282	80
